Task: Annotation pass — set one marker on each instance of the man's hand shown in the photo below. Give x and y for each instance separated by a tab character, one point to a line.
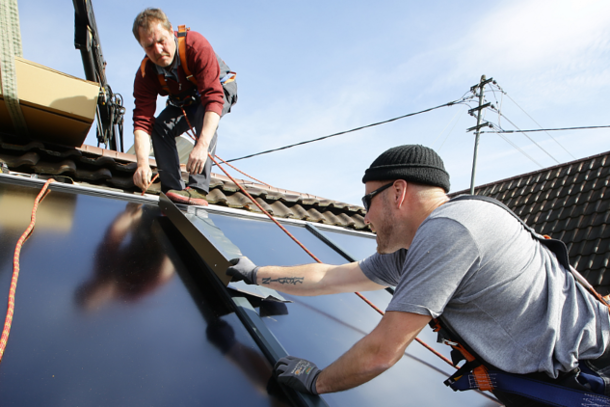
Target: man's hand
242	269
197	158
300	374
142	176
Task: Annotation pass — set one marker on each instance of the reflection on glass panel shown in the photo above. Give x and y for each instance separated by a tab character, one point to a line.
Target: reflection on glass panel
107	316
266	244
358	246
322	328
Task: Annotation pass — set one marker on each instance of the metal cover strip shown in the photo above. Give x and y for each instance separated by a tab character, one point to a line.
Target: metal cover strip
216	258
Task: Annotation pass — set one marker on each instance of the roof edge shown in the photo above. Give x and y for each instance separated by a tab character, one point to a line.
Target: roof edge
527	174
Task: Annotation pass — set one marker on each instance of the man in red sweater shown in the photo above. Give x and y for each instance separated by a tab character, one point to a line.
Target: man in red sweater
204	104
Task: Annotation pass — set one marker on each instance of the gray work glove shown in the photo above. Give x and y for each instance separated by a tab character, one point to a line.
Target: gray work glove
242	269
300	374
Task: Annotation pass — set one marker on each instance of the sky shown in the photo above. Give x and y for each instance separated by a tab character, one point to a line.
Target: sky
307	69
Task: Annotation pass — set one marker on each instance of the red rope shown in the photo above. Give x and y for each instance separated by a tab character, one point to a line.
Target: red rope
297	240
318	260
263	210
240	171
193	136
150	183
11	296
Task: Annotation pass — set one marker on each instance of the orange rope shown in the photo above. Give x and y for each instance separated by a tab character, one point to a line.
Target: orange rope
264	211
316	259
11	296
150	183
240	171
193	136
297	240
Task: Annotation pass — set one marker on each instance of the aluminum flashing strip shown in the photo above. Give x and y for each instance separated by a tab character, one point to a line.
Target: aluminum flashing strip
76	189
216	251
207	239
192	228
272	349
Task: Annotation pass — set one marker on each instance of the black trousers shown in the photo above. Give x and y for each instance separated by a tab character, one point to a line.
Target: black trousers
170	124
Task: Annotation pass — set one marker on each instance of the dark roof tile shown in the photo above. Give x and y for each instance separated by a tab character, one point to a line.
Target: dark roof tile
314	216
281	211
102	168
601	219
65	167
568	201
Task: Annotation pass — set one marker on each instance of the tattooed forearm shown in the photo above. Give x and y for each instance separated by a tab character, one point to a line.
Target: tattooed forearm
284	280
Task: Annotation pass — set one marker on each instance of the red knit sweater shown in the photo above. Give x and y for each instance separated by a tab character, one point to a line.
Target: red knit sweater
202	63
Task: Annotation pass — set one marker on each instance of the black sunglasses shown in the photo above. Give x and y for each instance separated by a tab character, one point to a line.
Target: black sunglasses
366	200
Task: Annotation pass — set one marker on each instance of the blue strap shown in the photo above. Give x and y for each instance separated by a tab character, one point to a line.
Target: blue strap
228	76
544	392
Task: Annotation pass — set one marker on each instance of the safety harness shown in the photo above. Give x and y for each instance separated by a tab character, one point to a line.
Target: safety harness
191	96
475	373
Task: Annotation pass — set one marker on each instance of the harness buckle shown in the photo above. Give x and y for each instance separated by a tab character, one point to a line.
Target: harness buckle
187	101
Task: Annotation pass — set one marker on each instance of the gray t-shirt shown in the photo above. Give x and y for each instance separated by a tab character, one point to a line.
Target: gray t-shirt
503	292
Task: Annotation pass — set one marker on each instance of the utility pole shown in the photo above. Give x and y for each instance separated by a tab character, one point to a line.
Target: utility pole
477	128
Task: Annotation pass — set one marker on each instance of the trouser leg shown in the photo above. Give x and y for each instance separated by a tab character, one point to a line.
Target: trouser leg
202	181
168	125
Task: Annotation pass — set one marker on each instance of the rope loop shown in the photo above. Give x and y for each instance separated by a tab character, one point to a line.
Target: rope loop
11	296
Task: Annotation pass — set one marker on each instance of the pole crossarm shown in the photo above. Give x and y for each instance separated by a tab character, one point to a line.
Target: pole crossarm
478	108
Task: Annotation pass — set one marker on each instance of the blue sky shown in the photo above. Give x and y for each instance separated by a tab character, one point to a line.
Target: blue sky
309	69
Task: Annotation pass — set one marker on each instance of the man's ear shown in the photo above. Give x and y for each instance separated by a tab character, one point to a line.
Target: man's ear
400	192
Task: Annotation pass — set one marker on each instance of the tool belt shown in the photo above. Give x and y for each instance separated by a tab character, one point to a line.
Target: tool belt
574	388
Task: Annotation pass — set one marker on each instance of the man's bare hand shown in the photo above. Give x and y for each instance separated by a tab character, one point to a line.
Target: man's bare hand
142	176
197	158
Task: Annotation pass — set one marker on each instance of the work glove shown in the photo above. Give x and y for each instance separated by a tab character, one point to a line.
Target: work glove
242	269
300	374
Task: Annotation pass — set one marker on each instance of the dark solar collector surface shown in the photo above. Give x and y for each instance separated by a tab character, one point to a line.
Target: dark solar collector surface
111	309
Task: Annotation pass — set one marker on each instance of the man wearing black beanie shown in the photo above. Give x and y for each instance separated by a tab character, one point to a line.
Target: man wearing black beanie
469	262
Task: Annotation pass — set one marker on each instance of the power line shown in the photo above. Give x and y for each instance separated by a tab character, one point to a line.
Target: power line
500	115
525	134
448	134
527	114
349	131
520	150
555	129
450	131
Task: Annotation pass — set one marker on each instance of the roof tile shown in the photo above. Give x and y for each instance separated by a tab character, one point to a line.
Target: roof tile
568	201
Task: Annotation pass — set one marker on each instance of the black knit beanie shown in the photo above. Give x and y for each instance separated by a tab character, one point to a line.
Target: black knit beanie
410	162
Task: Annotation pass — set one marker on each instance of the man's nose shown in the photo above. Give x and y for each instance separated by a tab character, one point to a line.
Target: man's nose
159	49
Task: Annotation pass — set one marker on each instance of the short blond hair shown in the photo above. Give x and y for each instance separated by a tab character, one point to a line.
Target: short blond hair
147	18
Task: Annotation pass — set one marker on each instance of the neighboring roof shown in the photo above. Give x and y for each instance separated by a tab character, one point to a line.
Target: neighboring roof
569	202
111	169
